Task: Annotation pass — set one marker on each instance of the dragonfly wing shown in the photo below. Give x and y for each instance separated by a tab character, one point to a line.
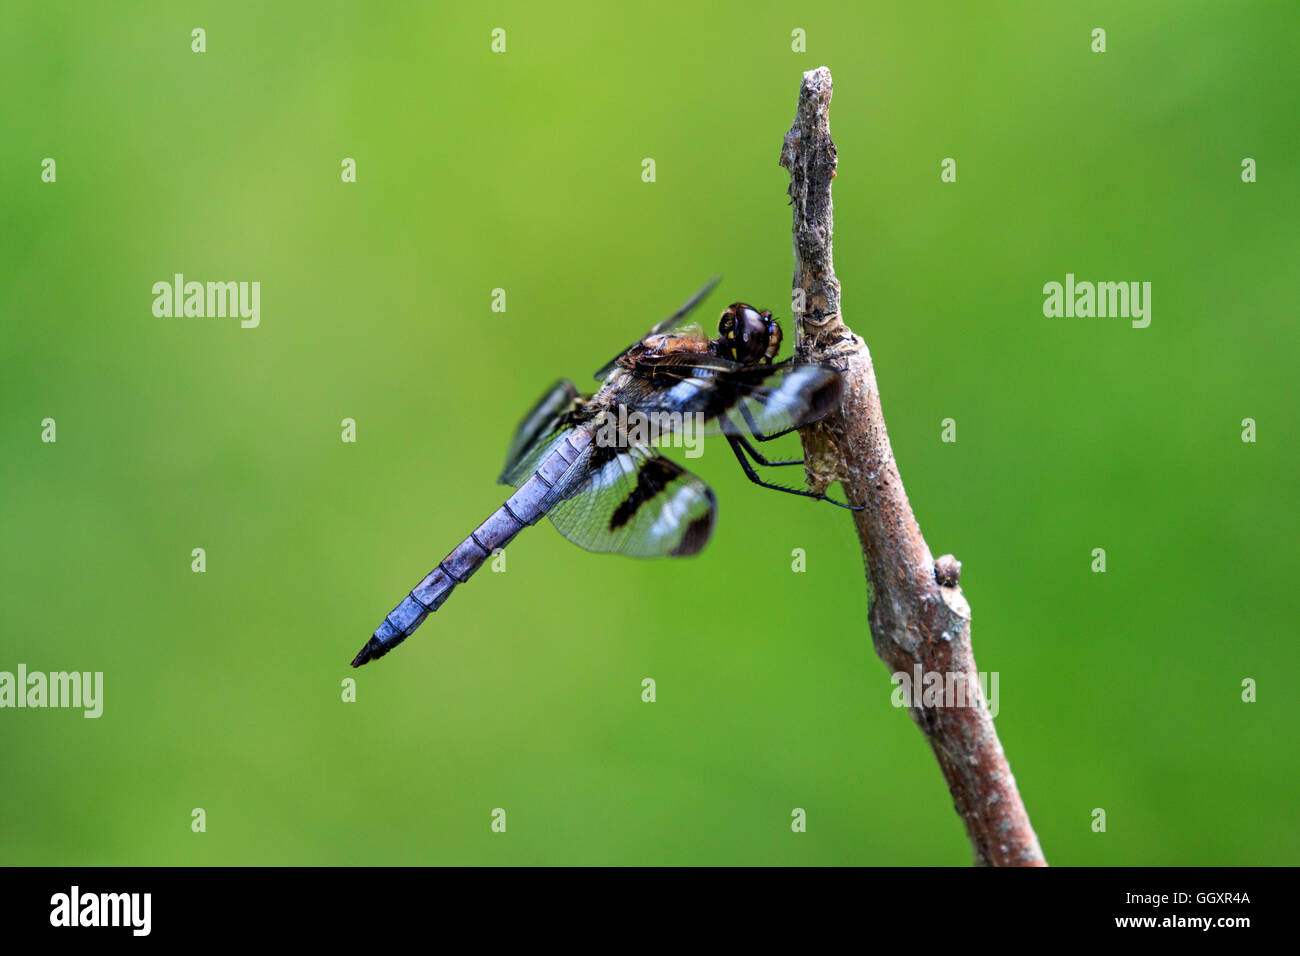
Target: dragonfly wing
636	502
538	434
731	397
672	322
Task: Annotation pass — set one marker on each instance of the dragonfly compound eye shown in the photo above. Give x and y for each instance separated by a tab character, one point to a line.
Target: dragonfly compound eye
746	334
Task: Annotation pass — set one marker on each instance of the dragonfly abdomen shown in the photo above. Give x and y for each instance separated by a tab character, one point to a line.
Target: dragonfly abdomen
525	507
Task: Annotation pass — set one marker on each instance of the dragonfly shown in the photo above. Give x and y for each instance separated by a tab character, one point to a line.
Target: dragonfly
586	463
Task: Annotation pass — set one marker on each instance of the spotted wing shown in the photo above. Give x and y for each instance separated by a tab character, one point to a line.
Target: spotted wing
539	433
732	398
639	503
672	322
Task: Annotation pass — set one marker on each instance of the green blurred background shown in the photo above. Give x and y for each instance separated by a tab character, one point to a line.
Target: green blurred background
522	171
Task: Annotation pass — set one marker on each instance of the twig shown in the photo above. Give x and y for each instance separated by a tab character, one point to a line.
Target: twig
916	609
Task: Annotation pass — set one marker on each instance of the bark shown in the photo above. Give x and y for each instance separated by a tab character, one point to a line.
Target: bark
916	610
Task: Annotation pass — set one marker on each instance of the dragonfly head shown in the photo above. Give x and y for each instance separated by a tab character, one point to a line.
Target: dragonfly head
747	335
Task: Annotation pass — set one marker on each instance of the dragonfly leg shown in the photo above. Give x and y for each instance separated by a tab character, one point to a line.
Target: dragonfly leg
753	429
758	457
753	476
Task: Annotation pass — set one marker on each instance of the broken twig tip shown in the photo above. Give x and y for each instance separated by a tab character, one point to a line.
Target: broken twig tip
947	571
